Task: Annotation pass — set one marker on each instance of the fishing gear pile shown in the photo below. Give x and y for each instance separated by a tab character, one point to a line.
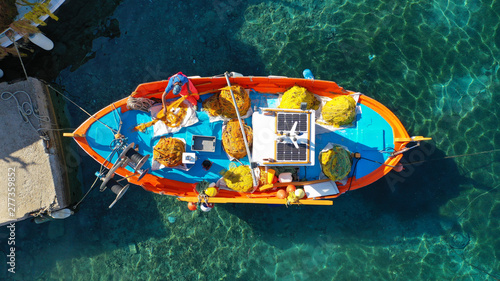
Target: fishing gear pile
232	139
335	162
222	103
239	178
176	111
340	111
169	151
295	96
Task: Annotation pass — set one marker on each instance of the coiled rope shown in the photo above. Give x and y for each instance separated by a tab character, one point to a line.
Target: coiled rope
11	37
141	104
26	109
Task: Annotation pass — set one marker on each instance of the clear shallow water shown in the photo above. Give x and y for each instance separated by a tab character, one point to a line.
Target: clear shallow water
436	66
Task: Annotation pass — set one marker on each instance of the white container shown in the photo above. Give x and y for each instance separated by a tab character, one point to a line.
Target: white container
188	158
285	177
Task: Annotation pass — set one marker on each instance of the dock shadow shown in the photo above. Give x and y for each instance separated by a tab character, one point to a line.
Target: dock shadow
136	218
94	229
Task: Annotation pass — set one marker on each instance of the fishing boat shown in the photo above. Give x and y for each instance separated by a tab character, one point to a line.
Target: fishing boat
25	12
283	146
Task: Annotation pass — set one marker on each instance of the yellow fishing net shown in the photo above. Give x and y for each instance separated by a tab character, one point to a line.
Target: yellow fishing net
212	105
335	163
296	95
263	176
168	151
222	104
232	139
340	111
176	111
239	178
38	10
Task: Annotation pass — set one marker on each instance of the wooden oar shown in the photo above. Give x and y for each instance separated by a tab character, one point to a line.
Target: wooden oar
282	184
257	201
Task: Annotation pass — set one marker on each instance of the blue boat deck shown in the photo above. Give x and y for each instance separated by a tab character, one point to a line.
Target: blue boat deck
371	135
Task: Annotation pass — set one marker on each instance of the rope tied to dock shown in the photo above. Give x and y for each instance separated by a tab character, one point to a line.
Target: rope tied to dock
79	107
10	35
27	109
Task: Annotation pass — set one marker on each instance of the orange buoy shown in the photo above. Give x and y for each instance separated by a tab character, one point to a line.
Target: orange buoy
192	206
281	194
399	167
290	188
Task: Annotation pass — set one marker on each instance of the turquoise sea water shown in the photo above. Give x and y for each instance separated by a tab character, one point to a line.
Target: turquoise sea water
434	63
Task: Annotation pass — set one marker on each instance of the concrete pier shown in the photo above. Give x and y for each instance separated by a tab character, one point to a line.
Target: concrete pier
32	174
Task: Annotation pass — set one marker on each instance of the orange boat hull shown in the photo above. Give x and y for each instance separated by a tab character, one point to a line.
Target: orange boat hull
186	191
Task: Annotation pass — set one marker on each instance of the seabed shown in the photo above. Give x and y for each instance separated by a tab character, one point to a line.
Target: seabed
436	66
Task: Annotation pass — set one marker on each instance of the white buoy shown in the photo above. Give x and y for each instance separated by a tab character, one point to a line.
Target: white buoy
41	41
61	214
1	73
206	207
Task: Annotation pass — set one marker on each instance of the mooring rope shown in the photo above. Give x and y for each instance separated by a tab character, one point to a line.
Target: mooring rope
377	162
462	255
31	111
466	241
79	107
11	37
453	156
468	205
87	193
101	169
430	160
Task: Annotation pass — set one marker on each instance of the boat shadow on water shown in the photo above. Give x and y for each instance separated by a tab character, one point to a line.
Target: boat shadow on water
399	206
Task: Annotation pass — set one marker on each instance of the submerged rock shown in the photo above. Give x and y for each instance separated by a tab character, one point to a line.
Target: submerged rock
132	248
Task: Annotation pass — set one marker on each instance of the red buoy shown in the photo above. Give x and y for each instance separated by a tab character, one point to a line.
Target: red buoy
281	194
290	188
275	180
192	206
399	167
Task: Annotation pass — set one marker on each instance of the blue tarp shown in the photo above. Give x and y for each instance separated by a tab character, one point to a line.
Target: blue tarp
371	135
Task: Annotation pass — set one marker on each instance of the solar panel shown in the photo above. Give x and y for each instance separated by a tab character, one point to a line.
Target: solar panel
288	152
286	121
